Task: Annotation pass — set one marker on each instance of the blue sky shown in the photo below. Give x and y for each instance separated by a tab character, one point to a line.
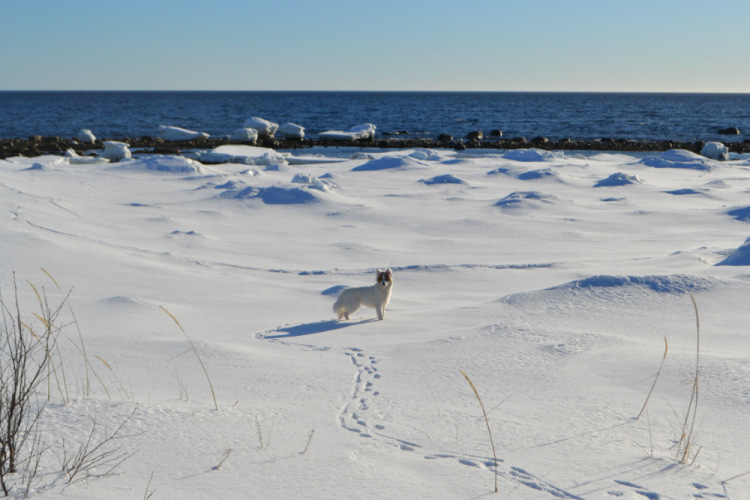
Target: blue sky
504	45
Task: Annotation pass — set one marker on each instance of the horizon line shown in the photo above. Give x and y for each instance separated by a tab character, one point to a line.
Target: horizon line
675	92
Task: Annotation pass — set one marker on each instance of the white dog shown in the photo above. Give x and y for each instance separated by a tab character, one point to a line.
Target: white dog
377	296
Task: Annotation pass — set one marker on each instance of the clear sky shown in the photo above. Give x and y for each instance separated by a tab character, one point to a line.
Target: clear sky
526	45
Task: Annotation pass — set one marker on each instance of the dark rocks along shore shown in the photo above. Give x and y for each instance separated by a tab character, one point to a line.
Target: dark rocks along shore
38	145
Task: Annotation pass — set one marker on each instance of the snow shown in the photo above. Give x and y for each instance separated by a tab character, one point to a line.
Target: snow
116	151
244	135
86	136
292	131
170	133
715	151
554	296
358	132
263	126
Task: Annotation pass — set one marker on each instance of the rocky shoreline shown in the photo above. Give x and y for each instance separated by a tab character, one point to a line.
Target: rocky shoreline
38	145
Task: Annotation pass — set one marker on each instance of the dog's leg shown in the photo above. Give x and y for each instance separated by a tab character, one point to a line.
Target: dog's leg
381	312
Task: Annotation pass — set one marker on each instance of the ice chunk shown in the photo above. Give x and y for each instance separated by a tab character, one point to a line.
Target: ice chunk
116	151
86	136
244	135
169	133
292	131
715	151
264	127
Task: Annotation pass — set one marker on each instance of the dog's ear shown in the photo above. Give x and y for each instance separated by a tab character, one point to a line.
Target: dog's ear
389	273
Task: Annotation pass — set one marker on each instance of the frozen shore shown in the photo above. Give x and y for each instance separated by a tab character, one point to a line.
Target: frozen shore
38	145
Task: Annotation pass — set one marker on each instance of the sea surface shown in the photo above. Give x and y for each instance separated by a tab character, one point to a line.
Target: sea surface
583	116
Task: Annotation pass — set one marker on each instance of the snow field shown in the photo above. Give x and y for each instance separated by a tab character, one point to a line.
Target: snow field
556	304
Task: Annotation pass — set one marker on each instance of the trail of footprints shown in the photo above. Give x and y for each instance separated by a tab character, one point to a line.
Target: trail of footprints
354	416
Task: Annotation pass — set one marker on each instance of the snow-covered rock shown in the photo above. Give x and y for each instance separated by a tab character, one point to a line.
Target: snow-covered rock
264	127
358	132
116	151
292	131
86	136
715	151
169	133
244	135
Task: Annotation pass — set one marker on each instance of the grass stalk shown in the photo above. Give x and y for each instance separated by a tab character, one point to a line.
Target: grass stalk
686	441
486	421
666	349
192	346
312	432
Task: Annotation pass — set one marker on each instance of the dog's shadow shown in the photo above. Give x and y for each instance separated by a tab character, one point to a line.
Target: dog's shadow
287	332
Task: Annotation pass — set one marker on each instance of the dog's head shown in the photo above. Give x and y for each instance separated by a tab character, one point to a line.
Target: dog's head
385	278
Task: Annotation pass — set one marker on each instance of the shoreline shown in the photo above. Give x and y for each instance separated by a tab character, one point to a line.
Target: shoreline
39	145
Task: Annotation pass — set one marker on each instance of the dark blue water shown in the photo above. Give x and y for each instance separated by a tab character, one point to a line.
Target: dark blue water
685	117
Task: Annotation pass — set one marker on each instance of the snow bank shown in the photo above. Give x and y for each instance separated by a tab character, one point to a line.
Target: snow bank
314	182
264	127
740	257
544	173
532	154
116	151
523	199
86	136
618	179
75	159
292	131
169	133
442	179
272	195
677	158
715	151
246	155
386	163
162	164
358	132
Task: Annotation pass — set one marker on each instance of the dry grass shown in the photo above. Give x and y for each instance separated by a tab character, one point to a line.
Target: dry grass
666	349
192	346
686	443
486	421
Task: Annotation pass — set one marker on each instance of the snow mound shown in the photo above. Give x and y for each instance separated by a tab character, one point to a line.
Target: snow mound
613	289
618	179
292	131
677	284
442	179
314	182
533	154
246	155
116	151
363	131
170	133
75	159
86	136
426	155
715	151
244	135
678	158
740	257
388	162
264	127
544	173
526	199
162	165
273	195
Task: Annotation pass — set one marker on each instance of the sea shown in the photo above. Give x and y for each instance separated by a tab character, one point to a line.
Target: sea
579	116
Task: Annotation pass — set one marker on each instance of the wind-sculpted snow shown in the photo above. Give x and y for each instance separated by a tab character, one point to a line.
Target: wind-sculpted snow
740	257
527	199
618	179
554	296
532	155
678	158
